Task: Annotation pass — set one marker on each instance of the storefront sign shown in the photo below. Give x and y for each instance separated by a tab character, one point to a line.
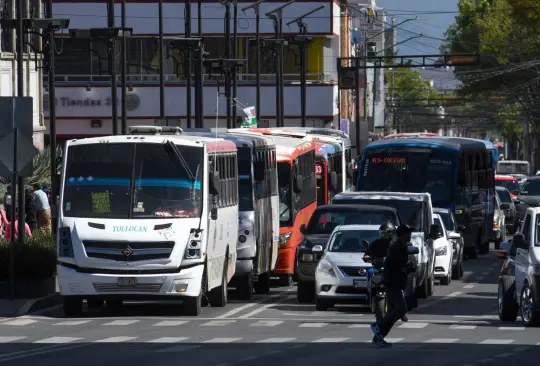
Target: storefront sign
133	102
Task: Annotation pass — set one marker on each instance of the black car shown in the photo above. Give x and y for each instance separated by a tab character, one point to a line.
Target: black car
508	207
529	196
323	221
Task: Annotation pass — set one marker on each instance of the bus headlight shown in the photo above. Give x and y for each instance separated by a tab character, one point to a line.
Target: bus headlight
193	250
242	238
284	238
65	245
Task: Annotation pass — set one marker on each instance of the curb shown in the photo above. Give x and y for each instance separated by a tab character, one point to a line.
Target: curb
41	303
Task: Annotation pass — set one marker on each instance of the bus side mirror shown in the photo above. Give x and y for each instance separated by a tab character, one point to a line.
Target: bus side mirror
214	183
333	181
213	213
258	171
298	180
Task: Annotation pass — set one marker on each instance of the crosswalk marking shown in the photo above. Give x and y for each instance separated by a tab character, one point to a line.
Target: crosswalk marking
180	348
222	340
20	322
463	327
442	340
359	326
73	322
267	323
498	341
58	340
276	340
115	339
468	286
218	323
313	325
413	325
168	340
511	328
10	339
170	323
330	340
122	322
393	340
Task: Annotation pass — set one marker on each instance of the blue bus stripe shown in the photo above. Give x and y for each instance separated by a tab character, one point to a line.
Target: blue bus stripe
144	182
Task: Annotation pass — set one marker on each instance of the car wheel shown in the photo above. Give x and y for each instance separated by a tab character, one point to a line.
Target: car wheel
507	306
305	292
528	307
322	304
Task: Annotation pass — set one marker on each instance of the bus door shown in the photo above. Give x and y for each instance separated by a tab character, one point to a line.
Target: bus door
321	174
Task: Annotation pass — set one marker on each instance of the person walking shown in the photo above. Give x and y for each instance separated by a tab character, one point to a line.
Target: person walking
31	210
43	209
395	280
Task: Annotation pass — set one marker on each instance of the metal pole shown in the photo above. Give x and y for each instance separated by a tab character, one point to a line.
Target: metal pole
161	65
373	103
281	69
277	67
52	113
258	63
112	68
235	71
188	58
199	17
228	55
303	75
20	93
124	71
366	107
357	104
199	103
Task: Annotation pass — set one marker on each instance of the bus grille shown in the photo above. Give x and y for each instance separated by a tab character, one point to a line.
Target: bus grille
126	251
113	287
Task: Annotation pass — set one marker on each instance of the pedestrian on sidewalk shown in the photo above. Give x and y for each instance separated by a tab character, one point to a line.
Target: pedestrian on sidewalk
43	209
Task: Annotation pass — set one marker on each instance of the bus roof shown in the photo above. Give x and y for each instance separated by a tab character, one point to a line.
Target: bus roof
448	143
336	141
211	144
288	148
410	135
279	132
239	139
402	196
489	146
321	131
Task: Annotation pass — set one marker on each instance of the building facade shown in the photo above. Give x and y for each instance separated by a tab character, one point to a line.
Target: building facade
83	87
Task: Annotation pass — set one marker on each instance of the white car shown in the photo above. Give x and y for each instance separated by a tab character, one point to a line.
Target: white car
341	275
444	252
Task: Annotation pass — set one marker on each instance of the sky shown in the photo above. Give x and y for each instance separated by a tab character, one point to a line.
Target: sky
432	25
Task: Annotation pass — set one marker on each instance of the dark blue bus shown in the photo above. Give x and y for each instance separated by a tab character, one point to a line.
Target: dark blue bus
457	172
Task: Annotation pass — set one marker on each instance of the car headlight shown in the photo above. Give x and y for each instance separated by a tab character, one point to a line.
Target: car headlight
284	238
326	267
441	251
307	257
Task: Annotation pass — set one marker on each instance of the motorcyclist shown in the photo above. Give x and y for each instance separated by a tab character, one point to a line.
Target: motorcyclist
379	247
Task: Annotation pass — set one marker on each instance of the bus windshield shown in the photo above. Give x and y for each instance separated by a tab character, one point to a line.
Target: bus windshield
126	180
245	183
512	168
285	193
410	170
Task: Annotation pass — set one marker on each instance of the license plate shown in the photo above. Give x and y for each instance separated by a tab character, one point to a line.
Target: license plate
360	283
127	281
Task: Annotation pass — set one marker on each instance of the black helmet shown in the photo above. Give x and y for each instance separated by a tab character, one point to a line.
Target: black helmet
387	230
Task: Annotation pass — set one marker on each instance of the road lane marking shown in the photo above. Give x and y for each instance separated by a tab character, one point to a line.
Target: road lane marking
247	306
115	339
10	339
20	322
511	328
497	341
413	325
463	327
168	340
218	323
222	340
58	340
266	323
313	325
266	307
122	322
468	286
330	340
170	323
441	340
73	322
276	340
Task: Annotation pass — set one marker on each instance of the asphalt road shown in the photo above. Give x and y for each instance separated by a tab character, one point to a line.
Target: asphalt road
458	326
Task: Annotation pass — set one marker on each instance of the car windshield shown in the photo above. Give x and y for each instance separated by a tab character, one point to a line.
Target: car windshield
504	196
352	241
245	183
530	188
285	193
537	242
324	222
127	180
410	212
405	169
511	185
448	224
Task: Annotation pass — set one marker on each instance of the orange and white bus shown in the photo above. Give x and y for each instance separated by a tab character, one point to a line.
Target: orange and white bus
297	198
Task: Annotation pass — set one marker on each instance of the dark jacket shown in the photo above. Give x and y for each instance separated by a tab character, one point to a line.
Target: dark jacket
379	248
396	265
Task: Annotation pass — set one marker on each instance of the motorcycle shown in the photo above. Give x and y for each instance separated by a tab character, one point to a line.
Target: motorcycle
377	291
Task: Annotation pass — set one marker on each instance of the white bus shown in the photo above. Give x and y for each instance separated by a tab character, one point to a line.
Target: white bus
519	168
147	216
258	216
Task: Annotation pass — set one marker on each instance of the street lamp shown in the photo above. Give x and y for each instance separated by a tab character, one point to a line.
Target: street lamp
109	35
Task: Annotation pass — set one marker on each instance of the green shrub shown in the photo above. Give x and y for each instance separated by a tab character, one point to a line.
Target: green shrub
34	260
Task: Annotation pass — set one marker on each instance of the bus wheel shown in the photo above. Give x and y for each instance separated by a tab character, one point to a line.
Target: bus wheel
244	287
73	306
262	286
217	297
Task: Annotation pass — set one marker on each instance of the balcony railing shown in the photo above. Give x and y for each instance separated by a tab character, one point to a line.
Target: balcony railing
174	78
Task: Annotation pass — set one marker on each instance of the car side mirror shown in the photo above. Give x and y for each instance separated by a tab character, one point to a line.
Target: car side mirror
303	229
213	213
435	232
317	249
519	241
461	228
505	206
214	183
413	250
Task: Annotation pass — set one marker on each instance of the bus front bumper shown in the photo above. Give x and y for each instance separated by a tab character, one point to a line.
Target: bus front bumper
285	263
187	282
